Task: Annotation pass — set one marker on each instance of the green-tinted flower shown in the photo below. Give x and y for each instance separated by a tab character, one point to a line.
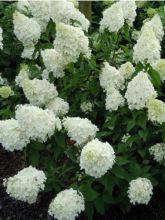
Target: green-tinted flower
6	91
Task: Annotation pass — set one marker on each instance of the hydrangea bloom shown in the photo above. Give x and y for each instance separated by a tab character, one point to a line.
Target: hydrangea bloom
147	48
68	204
23	5
27	31
114	100
11	136
23	75
126	70
156	111
65	12
125	137
158	152
156	24
129	10
110	77
80	130
86	107
113	18
36	123
139	91
3	81
58	106
39	92
159	66
26	184
97	158
6	91
54	62
41	11
71	42
1	39
140	191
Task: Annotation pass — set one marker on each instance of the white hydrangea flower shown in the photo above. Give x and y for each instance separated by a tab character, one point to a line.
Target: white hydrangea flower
68	204
129	10
97	158
158	152
27	31
1	39
23	75
86	107
23	5
71	42
65	12
41	11
147	47
126	70
159	66
140	191
156	111
113	18
6	91
58	106
80	130
11	136
54	62
139	91
39	92
156	24
114	100
110	77
36	123
26	184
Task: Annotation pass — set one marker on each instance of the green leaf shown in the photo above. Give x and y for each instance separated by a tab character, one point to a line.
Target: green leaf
89	210
121	173
89	193
99	205
120	160
107	181
34	158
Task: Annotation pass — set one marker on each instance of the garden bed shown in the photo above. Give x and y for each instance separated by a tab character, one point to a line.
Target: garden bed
10	209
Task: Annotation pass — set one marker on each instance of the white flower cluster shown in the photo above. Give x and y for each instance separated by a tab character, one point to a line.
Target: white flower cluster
129	10
158	152
156	24
80	130
156	111
114	100
65	12
97	158
68	204
113	17
36	123
1	39
112	80
41	11
86	107
23	75
39	92
54	62
126	70
140	191
147	48
58	106
139	91
26	184
159	66
27	31
110	77
64	43
11	136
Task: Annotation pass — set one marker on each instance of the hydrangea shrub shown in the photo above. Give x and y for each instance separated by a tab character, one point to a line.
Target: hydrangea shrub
84	102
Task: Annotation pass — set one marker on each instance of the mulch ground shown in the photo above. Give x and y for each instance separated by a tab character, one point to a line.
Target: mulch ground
10	209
